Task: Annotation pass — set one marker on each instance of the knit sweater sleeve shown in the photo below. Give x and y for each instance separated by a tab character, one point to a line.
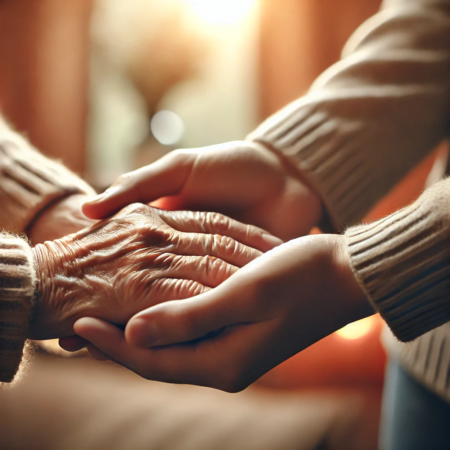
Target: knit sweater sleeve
403	263
375	114
29	182
17	285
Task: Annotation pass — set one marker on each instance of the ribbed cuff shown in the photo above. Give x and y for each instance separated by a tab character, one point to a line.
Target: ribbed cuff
29	182
327	152
403	264
17	284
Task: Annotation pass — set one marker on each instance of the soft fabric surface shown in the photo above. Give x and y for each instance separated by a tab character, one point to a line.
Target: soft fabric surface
72	404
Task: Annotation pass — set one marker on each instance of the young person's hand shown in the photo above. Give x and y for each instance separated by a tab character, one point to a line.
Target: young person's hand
243	180
226	338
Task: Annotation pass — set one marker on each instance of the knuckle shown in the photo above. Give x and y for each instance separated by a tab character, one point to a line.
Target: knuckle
215	269
217	222
225	245
167	289
189	288
207	242
125	179
134	208
155	235
178	217
171	237
139	208
160	288
250	231
165	261
177	156
210	265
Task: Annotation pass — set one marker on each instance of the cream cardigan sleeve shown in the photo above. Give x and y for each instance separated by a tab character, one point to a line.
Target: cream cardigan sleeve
402	262
17	286
375	114
29	181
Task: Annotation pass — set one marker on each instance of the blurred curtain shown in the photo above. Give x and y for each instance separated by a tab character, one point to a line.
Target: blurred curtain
301	38
44	73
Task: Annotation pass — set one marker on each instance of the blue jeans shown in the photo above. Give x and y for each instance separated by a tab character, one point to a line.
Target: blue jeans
413	418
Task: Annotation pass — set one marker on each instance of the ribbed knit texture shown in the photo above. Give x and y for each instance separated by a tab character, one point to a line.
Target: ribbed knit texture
17	285
403	263
29	182
373	116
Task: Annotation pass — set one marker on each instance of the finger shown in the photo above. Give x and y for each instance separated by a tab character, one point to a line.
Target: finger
96	353
168	289
220	362
215	223
165	177
183	321
95	330
223	247
109	340
146	292
72	343
230	361
207	271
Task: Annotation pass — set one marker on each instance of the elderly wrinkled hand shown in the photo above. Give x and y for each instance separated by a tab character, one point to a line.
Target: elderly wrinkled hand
140	257
228	337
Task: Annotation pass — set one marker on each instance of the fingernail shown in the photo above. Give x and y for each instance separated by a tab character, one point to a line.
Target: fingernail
86	322
142	333
273	241
97	199
108	193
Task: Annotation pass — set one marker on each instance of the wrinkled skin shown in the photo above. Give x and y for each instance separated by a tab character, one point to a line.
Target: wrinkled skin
140	257
244	180
226	338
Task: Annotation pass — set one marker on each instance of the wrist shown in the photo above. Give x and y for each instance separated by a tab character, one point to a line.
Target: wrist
59	219
47	259
357	306
308	209
288	163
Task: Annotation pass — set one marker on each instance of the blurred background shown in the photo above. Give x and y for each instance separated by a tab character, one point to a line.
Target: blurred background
107	86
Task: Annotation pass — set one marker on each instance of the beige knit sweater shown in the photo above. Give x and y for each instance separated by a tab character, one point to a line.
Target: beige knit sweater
29	183
362	126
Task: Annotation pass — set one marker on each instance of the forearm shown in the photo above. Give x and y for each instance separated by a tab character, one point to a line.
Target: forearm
374	115
402	263
30	182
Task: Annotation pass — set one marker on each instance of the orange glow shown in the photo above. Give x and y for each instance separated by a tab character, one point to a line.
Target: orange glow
357	330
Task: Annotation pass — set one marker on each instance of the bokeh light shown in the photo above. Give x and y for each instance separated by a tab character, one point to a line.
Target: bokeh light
167	127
